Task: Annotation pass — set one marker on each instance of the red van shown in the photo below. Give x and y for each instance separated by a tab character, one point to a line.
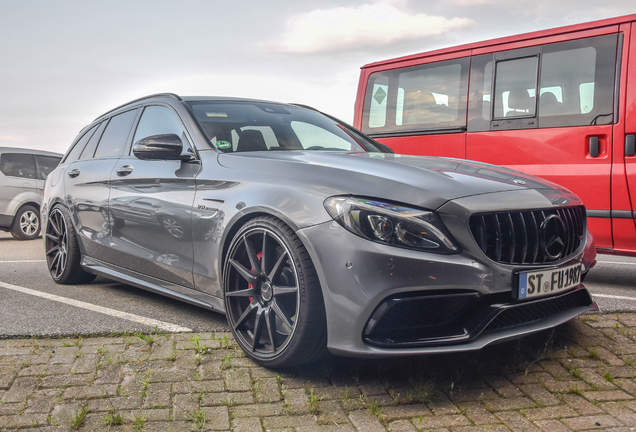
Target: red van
558	104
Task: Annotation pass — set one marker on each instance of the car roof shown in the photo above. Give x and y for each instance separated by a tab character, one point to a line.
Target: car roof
226	98
173	96
30	151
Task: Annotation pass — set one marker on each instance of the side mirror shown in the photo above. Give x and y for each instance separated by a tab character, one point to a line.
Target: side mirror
159	147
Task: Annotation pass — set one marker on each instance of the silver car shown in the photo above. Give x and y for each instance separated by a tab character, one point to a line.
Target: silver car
310	236
22	175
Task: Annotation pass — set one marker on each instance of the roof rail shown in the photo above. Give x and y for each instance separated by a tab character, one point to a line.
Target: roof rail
170	95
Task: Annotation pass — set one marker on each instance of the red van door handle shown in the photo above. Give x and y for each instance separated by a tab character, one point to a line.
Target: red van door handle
630	145
595	147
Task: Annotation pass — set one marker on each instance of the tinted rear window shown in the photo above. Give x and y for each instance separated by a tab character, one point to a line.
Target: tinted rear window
46	164
17	165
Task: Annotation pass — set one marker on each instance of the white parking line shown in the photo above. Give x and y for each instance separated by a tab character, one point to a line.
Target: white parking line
107	311
615	262
614	297
26	261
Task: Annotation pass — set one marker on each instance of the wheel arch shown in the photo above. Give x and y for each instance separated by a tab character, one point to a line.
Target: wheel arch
48	207
30	203
239	220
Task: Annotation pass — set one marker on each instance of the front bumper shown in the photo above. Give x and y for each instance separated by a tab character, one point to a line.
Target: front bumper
360	278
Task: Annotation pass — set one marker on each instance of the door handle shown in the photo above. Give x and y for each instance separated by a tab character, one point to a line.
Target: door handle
595	147
125	170
73	173
630	145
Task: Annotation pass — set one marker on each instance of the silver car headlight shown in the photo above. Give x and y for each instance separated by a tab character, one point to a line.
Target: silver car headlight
392	224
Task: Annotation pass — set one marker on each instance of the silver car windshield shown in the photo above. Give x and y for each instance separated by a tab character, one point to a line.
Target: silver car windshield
256	126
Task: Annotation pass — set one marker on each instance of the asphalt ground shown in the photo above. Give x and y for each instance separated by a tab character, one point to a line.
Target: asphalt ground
22	265
33	305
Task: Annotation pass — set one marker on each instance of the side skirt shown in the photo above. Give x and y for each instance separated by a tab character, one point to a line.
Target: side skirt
151	284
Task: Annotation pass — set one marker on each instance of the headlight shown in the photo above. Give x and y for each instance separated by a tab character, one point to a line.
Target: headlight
392	224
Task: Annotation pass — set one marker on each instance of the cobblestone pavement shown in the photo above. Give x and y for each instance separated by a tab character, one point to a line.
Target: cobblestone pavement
579	377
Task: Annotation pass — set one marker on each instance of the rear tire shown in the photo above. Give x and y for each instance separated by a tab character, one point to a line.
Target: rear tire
62	250
273	298
26	224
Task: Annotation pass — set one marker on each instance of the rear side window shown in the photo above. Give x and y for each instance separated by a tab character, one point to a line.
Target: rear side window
89	149
18	165
45	165
116	134
79	145
426	97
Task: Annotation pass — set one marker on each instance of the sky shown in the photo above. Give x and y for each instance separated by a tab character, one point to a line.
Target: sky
65	62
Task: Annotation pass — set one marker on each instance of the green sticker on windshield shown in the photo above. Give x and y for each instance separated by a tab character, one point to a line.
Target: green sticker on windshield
223	144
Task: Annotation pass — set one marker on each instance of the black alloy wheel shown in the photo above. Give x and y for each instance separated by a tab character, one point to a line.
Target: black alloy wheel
62	251
272	297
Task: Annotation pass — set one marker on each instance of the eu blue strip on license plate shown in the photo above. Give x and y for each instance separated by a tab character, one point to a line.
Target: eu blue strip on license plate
540	283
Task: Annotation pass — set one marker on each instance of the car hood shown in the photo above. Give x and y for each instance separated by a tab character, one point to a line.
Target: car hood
423	181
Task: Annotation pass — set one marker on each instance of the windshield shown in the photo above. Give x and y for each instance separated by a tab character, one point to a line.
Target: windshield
257	126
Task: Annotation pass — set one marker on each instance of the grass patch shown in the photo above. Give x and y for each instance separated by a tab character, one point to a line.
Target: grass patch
76	422
198	418
113	418
312	402
139	421
594	353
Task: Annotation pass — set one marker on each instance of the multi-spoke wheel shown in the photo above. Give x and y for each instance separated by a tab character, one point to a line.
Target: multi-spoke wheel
26	224
62	251
272	296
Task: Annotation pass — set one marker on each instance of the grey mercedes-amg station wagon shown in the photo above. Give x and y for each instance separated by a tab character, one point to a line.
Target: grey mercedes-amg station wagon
310	236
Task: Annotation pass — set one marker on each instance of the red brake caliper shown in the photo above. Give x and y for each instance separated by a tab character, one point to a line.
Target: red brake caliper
249	285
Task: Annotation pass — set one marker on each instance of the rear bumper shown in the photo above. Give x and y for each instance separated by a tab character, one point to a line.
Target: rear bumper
6	221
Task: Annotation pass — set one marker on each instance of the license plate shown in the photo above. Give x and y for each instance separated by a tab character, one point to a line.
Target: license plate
540	283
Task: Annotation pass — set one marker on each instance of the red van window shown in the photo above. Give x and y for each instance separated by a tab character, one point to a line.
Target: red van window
432	96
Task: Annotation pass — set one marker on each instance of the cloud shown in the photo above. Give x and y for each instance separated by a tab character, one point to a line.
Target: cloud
347	28
475	3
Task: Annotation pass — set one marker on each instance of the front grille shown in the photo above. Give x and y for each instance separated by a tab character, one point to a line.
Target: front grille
526	237
538	310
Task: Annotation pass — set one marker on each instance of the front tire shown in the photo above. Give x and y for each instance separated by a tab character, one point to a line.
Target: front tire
272	295
26	224
62	250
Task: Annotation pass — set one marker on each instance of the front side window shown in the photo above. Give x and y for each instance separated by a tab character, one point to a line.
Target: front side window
46	164
255	126
114	138
157	120
17	165
426	97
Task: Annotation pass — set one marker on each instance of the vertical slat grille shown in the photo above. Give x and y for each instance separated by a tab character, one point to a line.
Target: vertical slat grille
529	236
